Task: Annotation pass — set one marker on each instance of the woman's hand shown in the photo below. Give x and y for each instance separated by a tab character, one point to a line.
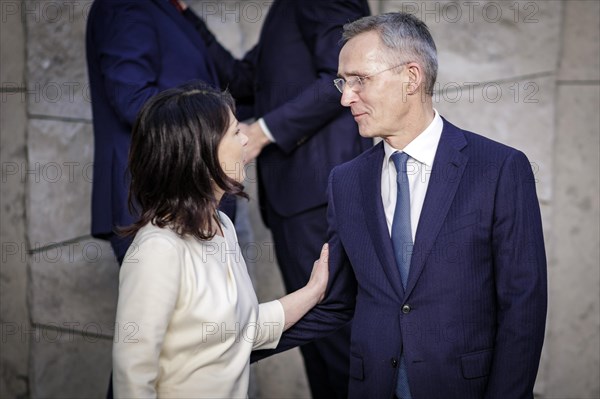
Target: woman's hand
320	274
298	303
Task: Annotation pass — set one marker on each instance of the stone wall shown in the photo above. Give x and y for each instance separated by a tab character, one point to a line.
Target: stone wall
14	314
572	351
525	73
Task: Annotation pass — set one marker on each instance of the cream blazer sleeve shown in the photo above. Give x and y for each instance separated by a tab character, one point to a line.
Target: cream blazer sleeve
149	284
271	320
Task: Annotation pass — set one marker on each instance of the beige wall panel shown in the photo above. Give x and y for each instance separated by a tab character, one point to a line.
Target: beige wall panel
14	315
68	365
580	51
56	65
483	41
59	176
75	286
573	338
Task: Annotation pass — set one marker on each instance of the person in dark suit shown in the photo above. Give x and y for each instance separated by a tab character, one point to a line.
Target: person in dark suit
135	49
435	237
301	134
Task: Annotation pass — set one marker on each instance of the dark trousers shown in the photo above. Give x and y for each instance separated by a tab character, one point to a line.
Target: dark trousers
298	241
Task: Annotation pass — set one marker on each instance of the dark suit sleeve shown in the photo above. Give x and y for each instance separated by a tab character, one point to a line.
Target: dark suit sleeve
129	58
521	285
337	308
321	25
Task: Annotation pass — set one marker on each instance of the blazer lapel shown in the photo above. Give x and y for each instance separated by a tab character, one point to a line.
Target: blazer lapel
448	167
375	216
194	37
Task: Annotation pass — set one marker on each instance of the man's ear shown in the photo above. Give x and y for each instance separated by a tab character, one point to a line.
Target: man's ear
415	77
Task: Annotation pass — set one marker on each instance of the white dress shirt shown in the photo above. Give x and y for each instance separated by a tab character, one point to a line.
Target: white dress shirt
266	130
421	152
188	318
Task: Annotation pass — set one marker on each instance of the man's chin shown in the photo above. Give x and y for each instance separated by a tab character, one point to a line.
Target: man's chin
366	133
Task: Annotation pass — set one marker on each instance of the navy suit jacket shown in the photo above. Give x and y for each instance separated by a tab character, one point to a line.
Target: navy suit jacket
135	49
291	72
471	321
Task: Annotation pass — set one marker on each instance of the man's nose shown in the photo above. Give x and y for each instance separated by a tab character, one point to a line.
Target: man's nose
349	96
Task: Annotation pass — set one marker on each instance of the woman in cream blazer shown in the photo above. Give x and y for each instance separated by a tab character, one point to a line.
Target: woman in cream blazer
187	315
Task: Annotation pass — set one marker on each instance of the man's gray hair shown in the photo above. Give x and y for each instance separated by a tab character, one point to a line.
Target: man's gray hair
406	36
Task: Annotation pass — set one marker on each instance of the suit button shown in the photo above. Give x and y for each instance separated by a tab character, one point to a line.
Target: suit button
301	141
406	309
394	363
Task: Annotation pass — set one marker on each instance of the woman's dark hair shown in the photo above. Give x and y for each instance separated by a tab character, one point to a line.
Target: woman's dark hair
173	160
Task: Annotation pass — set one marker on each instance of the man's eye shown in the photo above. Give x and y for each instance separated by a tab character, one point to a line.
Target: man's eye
356	79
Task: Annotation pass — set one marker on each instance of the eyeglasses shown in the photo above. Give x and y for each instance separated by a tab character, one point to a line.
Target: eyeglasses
340	83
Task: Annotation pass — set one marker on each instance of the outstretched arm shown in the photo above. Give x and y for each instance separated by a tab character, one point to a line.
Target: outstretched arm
336	309
298	303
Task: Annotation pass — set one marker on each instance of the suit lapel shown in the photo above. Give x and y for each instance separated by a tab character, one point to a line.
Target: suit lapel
191	33
375	216
448	167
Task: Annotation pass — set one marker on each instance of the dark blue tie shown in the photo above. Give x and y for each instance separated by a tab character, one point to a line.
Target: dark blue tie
402	243
401	228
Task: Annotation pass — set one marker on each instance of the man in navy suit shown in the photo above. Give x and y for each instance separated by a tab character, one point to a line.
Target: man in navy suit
135	49
301	134
435	237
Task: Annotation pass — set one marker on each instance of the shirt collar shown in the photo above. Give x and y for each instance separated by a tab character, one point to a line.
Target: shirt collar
424	146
